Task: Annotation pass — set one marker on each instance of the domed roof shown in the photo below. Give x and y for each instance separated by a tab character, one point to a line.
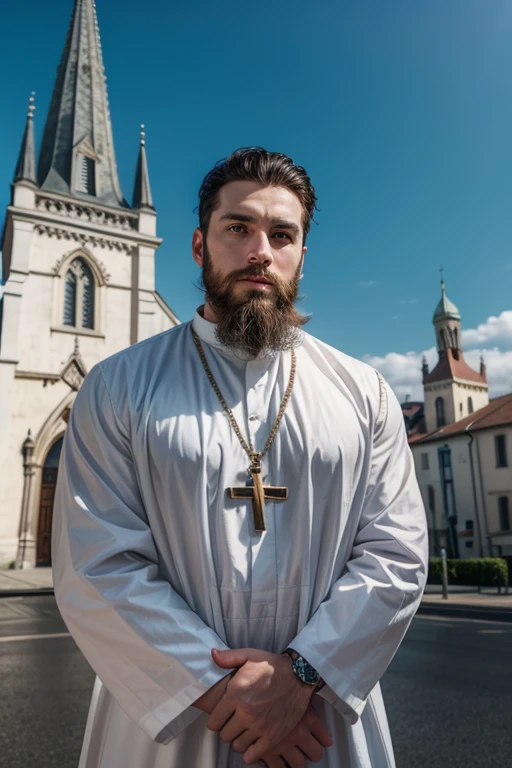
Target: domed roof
446	309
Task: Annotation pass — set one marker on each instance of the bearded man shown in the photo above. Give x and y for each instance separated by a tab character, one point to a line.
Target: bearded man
239	540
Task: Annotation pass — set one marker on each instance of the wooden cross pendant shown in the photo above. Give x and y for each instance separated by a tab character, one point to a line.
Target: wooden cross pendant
258	493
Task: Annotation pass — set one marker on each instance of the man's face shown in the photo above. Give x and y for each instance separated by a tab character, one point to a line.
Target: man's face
251	265
256	229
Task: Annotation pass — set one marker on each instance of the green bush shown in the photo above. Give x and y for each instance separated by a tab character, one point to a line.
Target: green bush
471	572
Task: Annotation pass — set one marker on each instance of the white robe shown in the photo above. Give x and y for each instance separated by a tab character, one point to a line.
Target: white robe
154	564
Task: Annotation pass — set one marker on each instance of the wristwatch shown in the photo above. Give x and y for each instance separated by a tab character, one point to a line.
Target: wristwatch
304	671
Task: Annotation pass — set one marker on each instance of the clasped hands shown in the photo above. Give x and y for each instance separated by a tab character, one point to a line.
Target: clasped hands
263	710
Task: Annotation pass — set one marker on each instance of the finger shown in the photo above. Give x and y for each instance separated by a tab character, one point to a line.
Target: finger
244	741
220	714
273	761
294	758
232	730
255	751
311	747
319	731
228	659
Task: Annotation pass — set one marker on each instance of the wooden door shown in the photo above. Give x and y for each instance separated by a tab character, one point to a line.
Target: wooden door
44	527
44	532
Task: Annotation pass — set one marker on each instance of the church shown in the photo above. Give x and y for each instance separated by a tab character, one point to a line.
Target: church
79	274
462	447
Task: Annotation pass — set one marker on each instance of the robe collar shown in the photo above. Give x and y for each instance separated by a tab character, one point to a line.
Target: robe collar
206	332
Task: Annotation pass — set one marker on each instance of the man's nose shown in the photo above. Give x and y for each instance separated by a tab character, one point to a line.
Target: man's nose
261	251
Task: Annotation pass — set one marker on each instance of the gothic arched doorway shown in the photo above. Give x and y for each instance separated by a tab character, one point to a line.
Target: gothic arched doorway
44	526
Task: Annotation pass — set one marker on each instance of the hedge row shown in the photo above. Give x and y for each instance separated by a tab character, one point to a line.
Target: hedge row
471	572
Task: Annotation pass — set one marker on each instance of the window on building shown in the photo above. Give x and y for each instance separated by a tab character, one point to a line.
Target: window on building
431	498
424	460
461	410
79	296
448	493
84	175
470	405
500	444
440	419
504	513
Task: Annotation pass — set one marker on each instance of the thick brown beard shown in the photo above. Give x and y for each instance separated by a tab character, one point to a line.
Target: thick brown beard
262	321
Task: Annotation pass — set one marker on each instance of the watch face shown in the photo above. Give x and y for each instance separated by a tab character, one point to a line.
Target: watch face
306	672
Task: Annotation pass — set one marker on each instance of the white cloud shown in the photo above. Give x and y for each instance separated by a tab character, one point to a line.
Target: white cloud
494	330
403	371
368	283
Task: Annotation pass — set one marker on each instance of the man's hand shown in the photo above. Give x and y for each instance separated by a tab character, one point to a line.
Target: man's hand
262	704
305	742
209	700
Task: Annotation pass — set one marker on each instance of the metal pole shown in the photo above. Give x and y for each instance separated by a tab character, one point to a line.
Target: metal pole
444	573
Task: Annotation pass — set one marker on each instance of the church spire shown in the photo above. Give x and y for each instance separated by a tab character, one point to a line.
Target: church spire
26	166
77	154
142	197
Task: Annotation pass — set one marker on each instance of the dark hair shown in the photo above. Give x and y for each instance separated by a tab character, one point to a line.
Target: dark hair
257	164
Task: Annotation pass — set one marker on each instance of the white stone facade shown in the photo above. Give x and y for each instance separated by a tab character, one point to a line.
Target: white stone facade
478	483
42	360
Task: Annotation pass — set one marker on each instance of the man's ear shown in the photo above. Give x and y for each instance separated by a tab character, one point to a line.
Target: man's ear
197	246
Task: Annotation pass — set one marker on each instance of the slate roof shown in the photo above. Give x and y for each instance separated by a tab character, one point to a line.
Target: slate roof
26	165
445	307
498	413
449	367
142	197
79	111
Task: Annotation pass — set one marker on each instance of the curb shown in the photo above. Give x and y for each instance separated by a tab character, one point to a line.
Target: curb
467	612
26	592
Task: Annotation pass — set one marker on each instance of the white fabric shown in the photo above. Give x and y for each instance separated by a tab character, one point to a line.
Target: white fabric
154	565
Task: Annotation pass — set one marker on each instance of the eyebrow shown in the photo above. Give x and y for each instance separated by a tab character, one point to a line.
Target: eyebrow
248	219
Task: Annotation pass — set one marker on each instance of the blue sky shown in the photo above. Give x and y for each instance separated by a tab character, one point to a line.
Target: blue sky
401	111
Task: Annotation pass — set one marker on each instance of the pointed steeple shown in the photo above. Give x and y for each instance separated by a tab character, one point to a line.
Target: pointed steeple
142	197
26	166
77	154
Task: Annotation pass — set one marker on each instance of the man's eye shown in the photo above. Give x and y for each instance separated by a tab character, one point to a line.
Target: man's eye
282	235
236	228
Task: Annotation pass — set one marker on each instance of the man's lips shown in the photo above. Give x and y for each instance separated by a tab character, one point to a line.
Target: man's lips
256	280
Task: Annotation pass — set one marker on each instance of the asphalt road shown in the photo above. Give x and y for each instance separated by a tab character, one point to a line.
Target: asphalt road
448	691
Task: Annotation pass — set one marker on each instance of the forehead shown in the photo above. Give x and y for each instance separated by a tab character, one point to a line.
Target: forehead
261	201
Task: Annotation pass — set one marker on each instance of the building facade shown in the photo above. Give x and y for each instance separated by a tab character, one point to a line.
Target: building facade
79	273
464	457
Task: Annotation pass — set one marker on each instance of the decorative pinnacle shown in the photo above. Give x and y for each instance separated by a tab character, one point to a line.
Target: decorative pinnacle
77	346
31	105
142	136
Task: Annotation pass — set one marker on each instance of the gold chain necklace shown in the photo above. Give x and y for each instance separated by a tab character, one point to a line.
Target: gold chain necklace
257	492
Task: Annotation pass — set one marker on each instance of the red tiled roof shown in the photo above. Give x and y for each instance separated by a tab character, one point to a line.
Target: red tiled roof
449	367
496	414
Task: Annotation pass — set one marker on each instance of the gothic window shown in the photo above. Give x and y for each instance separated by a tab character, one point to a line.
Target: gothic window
79	296
424	460
84	175
504	513
470	405
440	418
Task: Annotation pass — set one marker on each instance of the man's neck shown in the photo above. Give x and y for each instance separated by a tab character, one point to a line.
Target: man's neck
209	314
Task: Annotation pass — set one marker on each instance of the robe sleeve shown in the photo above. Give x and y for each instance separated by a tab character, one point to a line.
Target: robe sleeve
353	635
150	650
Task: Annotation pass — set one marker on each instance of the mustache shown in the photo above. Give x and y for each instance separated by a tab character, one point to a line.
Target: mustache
256	271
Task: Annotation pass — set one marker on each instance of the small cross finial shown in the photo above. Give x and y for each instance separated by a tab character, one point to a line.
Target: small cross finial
142	136
31	105
441	270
